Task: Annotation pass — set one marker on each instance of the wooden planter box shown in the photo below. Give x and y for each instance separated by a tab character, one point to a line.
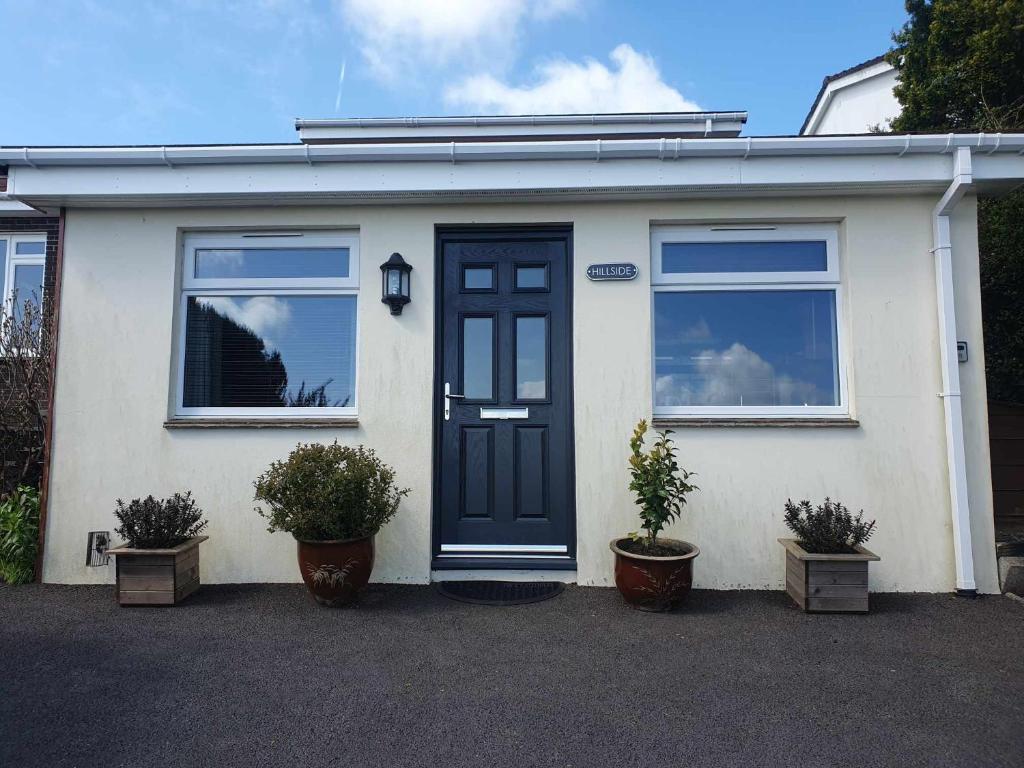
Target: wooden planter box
827	583
157	576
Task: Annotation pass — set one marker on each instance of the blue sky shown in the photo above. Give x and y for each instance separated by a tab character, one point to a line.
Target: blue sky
184	71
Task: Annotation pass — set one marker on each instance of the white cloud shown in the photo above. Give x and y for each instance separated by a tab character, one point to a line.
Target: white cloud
736	376
398	36
632	84
265	316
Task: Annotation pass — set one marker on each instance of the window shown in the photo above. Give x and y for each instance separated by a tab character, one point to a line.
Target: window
268	325
22	264
746	322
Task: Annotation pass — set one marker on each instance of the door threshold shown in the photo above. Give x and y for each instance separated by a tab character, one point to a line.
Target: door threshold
504	574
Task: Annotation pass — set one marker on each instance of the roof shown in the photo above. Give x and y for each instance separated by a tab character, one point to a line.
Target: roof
829	79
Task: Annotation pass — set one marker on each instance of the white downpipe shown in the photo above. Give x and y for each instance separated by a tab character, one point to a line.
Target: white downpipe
955	454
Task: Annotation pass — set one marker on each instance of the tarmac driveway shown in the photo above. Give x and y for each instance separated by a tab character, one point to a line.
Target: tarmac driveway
260	676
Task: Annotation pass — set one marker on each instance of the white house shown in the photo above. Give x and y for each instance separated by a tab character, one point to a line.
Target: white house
793	315
855	100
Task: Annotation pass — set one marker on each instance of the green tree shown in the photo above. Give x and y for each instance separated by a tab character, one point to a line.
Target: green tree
961	68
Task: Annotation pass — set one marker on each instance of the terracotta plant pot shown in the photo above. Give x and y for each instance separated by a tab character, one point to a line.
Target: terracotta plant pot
654	583
335	571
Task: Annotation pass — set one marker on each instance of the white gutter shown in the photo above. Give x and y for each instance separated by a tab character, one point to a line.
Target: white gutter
522	120
955	453
453	152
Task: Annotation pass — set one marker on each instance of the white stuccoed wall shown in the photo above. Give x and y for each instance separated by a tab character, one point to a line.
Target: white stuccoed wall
115	376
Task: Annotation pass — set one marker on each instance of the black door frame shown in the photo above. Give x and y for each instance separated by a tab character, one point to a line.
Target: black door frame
497	232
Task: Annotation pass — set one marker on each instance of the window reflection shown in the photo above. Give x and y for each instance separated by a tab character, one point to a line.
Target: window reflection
531	358
746	348
28	286
246	263
478	358
771	256
269	351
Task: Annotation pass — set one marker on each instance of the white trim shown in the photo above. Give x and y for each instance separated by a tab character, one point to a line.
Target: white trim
733	233
192	287
753	281
372	173
252	240
534	548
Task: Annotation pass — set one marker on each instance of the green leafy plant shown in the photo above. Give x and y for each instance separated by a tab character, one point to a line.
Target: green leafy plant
659	483
328	492
159	523
19	535
828	529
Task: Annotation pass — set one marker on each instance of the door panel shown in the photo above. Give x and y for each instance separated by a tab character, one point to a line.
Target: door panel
505	459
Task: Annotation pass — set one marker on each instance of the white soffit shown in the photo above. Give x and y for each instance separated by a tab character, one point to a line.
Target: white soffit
304	173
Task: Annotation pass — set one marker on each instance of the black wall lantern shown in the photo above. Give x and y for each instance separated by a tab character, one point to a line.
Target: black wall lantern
395	283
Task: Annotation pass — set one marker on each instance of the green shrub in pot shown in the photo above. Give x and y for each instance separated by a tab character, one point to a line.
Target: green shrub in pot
333	499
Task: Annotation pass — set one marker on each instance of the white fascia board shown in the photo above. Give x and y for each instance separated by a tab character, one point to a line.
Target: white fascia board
335	172
406	133
423	128
77	186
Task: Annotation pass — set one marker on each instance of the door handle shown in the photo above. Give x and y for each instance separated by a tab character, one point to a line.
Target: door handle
448	397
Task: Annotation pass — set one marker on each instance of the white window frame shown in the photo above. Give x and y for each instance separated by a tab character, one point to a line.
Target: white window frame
192	286
827	280
14	260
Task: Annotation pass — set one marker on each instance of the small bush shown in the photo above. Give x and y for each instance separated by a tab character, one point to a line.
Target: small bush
328	492
828	529
158	524
659	483
19	535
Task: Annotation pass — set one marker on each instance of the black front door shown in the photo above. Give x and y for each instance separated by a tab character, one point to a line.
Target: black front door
504	395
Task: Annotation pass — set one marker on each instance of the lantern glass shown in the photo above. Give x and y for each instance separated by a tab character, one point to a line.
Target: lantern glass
394	283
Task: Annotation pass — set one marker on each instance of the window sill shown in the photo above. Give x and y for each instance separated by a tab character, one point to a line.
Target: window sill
251	422
779	421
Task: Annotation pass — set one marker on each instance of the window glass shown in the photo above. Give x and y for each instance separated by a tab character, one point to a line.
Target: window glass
478	358
745	348
767	256
531	357
270	351
259	263
531	277
478	278
30	248
28	286
3	270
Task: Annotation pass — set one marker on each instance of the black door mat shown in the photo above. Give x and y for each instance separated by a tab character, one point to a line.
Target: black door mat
499	592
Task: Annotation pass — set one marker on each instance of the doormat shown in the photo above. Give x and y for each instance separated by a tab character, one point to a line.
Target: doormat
499	592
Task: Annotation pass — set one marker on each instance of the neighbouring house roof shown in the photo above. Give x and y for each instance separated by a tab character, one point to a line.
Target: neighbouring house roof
838	81
492	128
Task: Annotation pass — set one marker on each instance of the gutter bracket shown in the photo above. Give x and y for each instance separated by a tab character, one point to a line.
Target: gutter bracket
163	155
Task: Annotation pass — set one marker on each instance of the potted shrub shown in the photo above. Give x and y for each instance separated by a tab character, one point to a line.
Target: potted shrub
826	566
333	499
653	573
159	563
